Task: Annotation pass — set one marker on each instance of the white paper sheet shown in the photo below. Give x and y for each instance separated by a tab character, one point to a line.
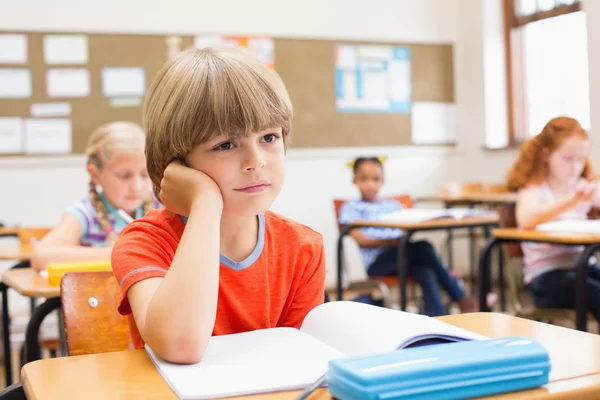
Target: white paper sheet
66	49
346	57
201	42
47	136
13	49
433	123
11	135
124	82
15	83
119	102
68	82
400	81
50	110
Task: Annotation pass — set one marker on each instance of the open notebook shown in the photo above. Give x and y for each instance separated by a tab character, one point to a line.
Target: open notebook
571	226
413	215
280	359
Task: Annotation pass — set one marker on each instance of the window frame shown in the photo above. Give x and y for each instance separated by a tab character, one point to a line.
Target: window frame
516	85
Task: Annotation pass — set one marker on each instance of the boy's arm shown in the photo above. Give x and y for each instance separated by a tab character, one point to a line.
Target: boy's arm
175	314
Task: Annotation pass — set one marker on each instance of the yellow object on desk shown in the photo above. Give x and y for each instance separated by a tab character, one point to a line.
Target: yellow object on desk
57	270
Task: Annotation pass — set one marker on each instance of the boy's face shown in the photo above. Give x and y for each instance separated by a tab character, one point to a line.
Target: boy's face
369	178
248	170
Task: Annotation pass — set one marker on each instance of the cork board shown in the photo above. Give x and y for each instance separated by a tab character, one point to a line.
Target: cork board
147	51
306	67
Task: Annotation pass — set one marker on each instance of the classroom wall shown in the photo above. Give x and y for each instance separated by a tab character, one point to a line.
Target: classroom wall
592	10
56	182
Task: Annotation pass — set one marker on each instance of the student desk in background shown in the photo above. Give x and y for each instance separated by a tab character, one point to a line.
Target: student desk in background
409	229
9	231
132	375
27	282
506	235
470	200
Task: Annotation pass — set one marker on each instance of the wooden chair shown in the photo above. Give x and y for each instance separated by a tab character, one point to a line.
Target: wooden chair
366	282
92	323
513	255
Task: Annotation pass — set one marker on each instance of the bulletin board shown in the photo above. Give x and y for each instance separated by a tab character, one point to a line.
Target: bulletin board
149	52
306	67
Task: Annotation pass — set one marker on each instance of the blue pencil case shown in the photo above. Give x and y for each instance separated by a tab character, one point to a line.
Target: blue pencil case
443	371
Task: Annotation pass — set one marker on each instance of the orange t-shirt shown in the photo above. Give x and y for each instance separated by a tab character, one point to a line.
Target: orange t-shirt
277	285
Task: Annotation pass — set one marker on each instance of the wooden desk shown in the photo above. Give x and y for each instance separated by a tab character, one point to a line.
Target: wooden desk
29	283
590	241
434	224
9	230
531	235
131	375
409	229
472	199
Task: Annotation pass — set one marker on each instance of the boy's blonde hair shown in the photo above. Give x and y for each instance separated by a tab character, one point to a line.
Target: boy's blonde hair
203	94
104	143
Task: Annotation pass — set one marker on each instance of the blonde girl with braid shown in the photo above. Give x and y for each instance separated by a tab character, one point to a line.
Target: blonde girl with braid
119	185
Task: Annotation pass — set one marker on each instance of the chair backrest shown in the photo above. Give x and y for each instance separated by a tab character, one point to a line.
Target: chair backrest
405	200
28	236
92	323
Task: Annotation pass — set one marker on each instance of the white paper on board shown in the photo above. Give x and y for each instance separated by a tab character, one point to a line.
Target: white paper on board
47	136
13	49
123	82
15	83
400	81
200	42
119	102
11	135
433	123
50	110
347	57
68	82
66	49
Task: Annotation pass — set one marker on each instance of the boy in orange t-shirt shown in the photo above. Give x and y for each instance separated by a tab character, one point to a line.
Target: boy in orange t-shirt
215	261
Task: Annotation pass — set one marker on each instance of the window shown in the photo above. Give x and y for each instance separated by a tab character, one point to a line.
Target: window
547	64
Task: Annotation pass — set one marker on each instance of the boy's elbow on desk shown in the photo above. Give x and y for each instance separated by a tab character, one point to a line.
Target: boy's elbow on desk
179	349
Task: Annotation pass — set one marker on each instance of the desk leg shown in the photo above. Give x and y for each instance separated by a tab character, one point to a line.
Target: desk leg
472	257
62	335
449	249
581	291
6	336
402	268
484	273
501	279
340	259
32	333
